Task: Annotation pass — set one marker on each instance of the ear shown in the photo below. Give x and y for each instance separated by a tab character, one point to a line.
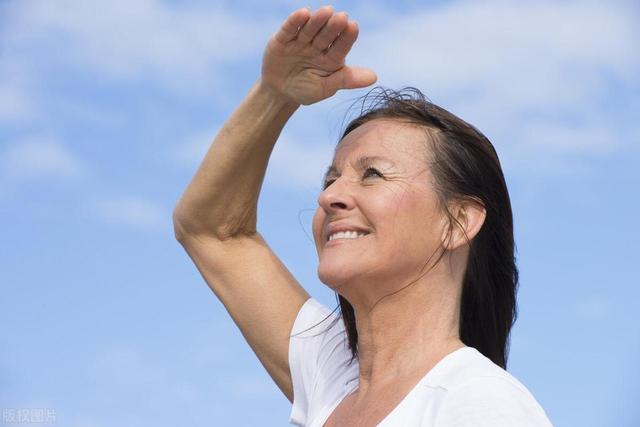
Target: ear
468	215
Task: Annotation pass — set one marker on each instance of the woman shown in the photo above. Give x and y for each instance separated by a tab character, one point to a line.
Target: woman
413	232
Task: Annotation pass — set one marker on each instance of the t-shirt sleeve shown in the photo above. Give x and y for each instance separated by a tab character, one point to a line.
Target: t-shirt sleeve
491	402
318	360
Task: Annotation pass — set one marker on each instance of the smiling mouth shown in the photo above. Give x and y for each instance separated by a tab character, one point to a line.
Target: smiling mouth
346	235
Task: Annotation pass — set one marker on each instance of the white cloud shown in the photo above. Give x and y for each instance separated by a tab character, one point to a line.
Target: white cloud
515	69
40	158
181	49
515	52
146	39
131	211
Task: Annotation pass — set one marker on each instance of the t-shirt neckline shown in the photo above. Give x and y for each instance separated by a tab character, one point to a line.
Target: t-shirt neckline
442	363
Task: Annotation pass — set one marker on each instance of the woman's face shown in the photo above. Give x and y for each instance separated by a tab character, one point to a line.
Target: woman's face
379	184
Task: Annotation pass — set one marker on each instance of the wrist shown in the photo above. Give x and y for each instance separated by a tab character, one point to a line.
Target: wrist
279	99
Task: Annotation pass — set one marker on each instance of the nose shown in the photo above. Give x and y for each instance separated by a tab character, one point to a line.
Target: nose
336	197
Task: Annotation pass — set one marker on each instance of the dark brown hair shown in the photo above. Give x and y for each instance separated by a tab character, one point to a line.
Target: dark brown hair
465	165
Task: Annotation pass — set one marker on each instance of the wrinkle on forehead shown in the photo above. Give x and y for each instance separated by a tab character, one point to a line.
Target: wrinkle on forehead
392	136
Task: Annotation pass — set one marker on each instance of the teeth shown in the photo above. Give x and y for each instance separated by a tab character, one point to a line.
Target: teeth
346	235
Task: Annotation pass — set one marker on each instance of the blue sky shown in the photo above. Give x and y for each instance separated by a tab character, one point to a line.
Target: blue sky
106	109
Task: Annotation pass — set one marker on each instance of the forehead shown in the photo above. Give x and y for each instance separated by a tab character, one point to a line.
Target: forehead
404	144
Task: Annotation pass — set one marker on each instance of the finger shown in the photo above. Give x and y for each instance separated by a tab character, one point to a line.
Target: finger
351	78
314	24
292	25
330	31
342	45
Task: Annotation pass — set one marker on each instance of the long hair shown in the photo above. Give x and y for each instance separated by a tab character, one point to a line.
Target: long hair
465	165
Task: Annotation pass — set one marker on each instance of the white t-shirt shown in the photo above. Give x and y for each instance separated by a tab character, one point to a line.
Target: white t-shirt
464	389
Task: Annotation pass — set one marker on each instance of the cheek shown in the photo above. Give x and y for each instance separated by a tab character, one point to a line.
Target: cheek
316	226
418	223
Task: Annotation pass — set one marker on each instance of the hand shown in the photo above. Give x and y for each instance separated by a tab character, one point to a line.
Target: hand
304	60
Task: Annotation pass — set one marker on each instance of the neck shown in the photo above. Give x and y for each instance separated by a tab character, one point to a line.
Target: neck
408	332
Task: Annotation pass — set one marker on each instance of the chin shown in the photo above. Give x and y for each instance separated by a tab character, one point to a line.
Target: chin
334	277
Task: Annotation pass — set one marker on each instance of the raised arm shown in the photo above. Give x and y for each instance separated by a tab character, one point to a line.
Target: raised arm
215	219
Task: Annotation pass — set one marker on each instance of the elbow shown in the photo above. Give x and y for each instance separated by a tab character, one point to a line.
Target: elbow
187	225
180	227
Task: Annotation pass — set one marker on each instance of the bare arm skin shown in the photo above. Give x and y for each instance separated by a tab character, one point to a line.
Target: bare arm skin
215	219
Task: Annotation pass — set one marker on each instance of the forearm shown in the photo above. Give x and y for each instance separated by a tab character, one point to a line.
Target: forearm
222	198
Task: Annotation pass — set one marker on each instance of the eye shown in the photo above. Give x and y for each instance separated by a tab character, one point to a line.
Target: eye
370	170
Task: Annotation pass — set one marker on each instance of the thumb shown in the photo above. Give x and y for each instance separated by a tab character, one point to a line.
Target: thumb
352	78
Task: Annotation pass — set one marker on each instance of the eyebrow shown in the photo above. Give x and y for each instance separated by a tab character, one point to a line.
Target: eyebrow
362	162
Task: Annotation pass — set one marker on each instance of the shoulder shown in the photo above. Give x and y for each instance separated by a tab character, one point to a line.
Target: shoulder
467	368
317	339
319	361
481	393
491	401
